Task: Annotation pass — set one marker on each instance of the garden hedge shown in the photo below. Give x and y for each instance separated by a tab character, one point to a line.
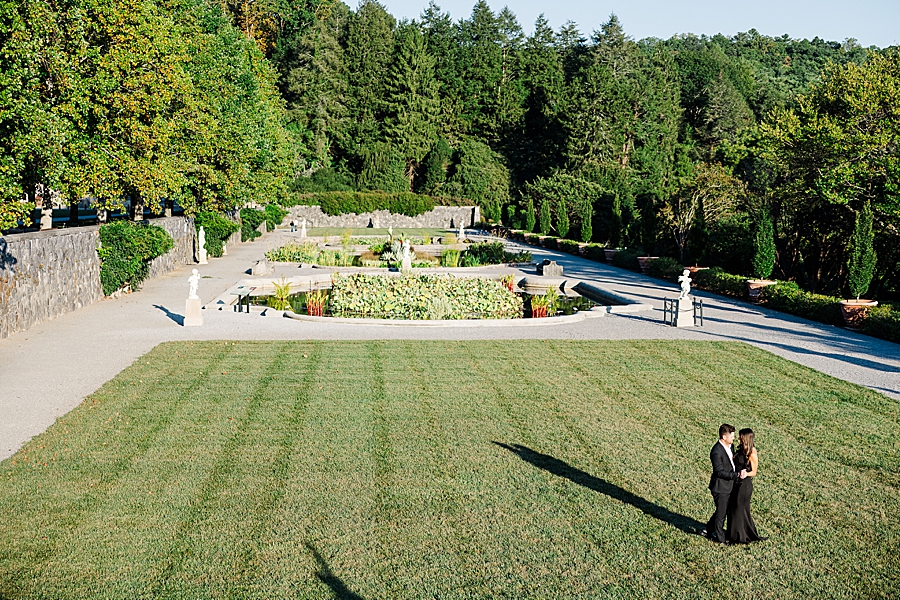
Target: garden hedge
400	203
217	229
126	249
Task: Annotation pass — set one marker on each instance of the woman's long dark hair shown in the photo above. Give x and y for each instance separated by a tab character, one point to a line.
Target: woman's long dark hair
746	437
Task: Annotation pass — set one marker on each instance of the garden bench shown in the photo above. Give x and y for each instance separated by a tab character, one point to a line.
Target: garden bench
243	294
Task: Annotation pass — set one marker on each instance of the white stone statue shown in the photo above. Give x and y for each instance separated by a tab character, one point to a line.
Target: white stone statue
201	247
194	280
302	229
406	252
685	281
462	234
391	231
406	258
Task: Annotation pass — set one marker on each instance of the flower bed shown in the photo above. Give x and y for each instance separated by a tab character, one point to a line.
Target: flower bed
422	297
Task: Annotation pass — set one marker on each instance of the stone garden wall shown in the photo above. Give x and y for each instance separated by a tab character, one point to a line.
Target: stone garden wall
50	273
444	217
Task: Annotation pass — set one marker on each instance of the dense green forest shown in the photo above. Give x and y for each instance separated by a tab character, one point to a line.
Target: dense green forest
686	146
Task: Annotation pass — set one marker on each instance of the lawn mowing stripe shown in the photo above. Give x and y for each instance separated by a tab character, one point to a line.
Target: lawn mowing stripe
327	514
247	453
79	501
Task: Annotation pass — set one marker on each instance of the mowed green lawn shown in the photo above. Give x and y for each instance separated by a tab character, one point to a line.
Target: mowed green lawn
410	469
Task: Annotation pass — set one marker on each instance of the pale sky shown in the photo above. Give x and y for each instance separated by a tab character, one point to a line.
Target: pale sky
870	22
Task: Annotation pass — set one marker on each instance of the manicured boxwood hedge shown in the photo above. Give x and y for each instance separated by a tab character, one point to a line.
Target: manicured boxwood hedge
217	229
403	203
883	321
718	281
570	246
788	297
665	267
627	259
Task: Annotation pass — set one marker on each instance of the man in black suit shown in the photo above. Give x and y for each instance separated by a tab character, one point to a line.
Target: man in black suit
722	481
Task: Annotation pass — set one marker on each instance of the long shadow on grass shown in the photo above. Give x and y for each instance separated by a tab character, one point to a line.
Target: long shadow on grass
338	588
562	469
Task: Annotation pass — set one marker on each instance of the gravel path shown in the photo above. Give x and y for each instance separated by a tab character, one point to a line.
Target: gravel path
47	370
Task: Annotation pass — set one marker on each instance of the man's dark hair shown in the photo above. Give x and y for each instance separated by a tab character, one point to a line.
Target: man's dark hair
725	428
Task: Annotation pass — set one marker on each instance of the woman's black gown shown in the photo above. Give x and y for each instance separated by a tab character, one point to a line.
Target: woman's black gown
741	528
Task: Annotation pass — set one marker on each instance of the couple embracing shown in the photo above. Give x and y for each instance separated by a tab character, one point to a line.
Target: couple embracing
731	485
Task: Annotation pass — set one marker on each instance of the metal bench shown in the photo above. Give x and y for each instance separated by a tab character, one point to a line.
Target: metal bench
243	294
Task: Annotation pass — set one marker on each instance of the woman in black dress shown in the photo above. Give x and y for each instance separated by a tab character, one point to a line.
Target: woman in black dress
741	528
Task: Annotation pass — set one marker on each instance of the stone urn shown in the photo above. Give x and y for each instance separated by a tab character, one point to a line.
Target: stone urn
854	311
609	253
755	285
644	263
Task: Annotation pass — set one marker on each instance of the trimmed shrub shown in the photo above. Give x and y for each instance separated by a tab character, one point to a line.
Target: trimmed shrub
529	216
595	252
861	265
217	229
665	267
627	259
413	297
403	203
716	280
764	246
126	249
788	297
883	321
491	253
251	219
549	241
533	238
570	246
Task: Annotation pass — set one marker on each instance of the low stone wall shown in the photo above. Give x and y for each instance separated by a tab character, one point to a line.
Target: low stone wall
184	233
46	274
444	217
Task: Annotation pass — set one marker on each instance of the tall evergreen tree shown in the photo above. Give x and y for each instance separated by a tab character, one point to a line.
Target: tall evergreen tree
411	101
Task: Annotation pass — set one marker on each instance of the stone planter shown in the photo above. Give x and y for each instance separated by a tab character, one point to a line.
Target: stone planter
854	311
644	263
609	253
755	285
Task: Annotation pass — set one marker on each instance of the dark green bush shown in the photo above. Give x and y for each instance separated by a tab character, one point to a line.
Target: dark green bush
549	241
595	252
533	238
251	219
126	249
217	228
665	267
716	280
274	216
570	246
883	321
400	203
788	297
323	180
491	253
627	259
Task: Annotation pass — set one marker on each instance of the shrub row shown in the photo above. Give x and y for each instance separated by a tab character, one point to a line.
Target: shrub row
788	297
883	321
126	249
719	281
422	297
401	203
217	229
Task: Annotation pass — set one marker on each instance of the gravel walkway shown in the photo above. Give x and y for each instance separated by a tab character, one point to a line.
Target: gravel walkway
47	370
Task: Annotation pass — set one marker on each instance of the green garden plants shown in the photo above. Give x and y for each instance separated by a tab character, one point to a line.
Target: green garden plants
126	249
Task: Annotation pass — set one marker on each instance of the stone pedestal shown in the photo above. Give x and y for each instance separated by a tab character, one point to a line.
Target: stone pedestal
260	268
201	257
192	315
684	312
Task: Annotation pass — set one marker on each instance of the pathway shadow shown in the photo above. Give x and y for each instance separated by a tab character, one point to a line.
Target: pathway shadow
175	317
338	588
562	469
853	360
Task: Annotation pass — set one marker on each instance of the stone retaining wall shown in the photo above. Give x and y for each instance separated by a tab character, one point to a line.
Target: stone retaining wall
50	273
444	217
